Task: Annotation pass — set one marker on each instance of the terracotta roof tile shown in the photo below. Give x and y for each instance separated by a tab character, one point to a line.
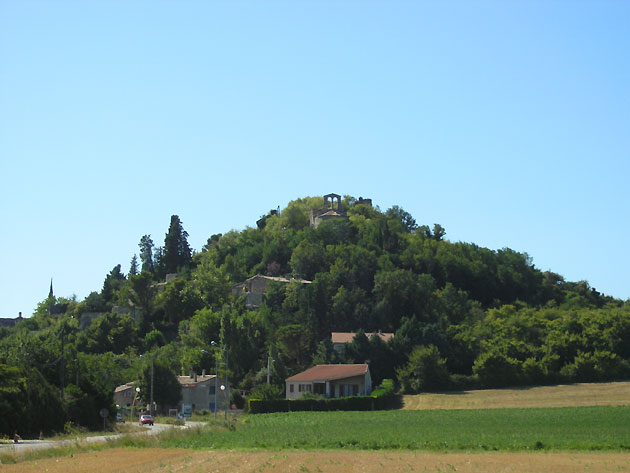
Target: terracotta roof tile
346	337
330	372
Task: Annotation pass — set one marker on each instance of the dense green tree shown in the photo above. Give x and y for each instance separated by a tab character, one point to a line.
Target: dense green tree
11	399
496	369
425	371
408	222
94	302
177	252
293	346
178	301
166	387
146	253
133	266
108	333
141	294
211	282
308	259
112	283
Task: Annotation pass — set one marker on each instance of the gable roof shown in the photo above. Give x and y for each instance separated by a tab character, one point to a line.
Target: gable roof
124	387
278	279
330	372
347	337
188	382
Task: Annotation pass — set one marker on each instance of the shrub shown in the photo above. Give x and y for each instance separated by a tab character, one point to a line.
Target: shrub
425	371
496	369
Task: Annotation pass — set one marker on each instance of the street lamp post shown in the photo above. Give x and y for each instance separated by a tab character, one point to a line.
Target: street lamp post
216	379
133	403
227	389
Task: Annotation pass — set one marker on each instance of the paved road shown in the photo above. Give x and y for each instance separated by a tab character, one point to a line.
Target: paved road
30	445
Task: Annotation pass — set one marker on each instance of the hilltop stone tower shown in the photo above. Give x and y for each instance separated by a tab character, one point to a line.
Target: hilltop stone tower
331	209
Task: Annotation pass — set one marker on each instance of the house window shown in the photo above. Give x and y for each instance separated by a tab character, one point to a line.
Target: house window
291	386
319	388
212	390
304	388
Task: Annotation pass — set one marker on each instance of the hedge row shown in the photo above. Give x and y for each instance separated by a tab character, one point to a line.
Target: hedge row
381	398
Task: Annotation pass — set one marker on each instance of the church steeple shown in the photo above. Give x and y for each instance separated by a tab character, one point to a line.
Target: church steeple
51	299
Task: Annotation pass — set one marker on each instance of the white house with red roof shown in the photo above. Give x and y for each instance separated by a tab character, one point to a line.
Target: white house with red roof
331	381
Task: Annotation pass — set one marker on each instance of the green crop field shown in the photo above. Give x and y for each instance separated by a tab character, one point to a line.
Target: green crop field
582	428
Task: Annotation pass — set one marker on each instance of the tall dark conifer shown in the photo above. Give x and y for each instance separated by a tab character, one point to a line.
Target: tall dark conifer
177	252
146	253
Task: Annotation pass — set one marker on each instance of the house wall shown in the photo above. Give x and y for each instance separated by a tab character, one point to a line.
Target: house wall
298	389
258	285
124	398
336	388
201	396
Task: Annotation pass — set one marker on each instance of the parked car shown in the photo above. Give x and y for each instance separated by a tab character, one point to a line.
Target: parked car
146	419
120	418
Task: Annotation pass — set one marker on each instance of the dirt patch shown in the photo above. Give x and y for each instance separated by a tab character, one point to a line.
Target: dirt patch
572	395
160	460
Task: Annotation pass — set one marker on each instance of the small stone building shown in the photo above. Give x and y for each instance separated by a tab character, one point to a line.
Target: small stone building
123	395
254	288
330	210
198	392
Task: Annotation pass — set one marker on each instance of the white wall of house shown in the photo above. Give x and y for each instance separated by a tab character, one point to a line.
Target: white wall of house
353	386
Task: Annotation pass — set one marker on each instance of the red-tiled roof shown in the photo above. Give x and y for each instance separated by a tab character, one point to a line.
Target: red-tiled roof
330	372
346	337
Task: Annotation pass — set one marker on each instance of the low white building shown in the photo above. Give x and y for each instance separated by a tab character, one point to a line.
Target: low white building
331	381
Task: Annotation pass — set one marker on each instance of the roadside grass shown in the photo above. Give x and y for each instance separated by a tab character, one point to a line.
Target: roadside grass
80	433
66	450
575	429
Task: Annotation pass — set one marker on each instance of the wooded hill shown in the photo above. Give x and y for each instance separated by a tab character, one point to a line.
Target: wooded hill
463	315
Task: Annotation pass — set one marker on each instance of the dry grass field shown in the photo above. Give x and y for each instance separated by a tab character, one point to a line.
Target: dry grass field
174	460
573	395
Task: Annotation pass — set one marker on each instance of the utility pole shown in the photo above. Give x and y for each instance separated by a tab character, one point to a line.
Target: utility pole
63	366
216	385
227	386
151	406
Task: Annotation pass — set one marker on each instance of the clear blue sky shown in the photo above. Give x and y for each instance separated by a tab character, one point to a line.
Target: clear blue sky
506	122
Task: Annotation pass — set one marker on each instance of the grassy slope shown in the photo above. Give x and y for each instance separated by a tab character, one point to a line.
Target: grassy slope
585	428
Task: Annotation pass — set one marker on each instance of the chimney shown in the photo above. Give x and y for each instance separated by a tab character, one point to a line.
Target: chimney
195	376
190	374
203	372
